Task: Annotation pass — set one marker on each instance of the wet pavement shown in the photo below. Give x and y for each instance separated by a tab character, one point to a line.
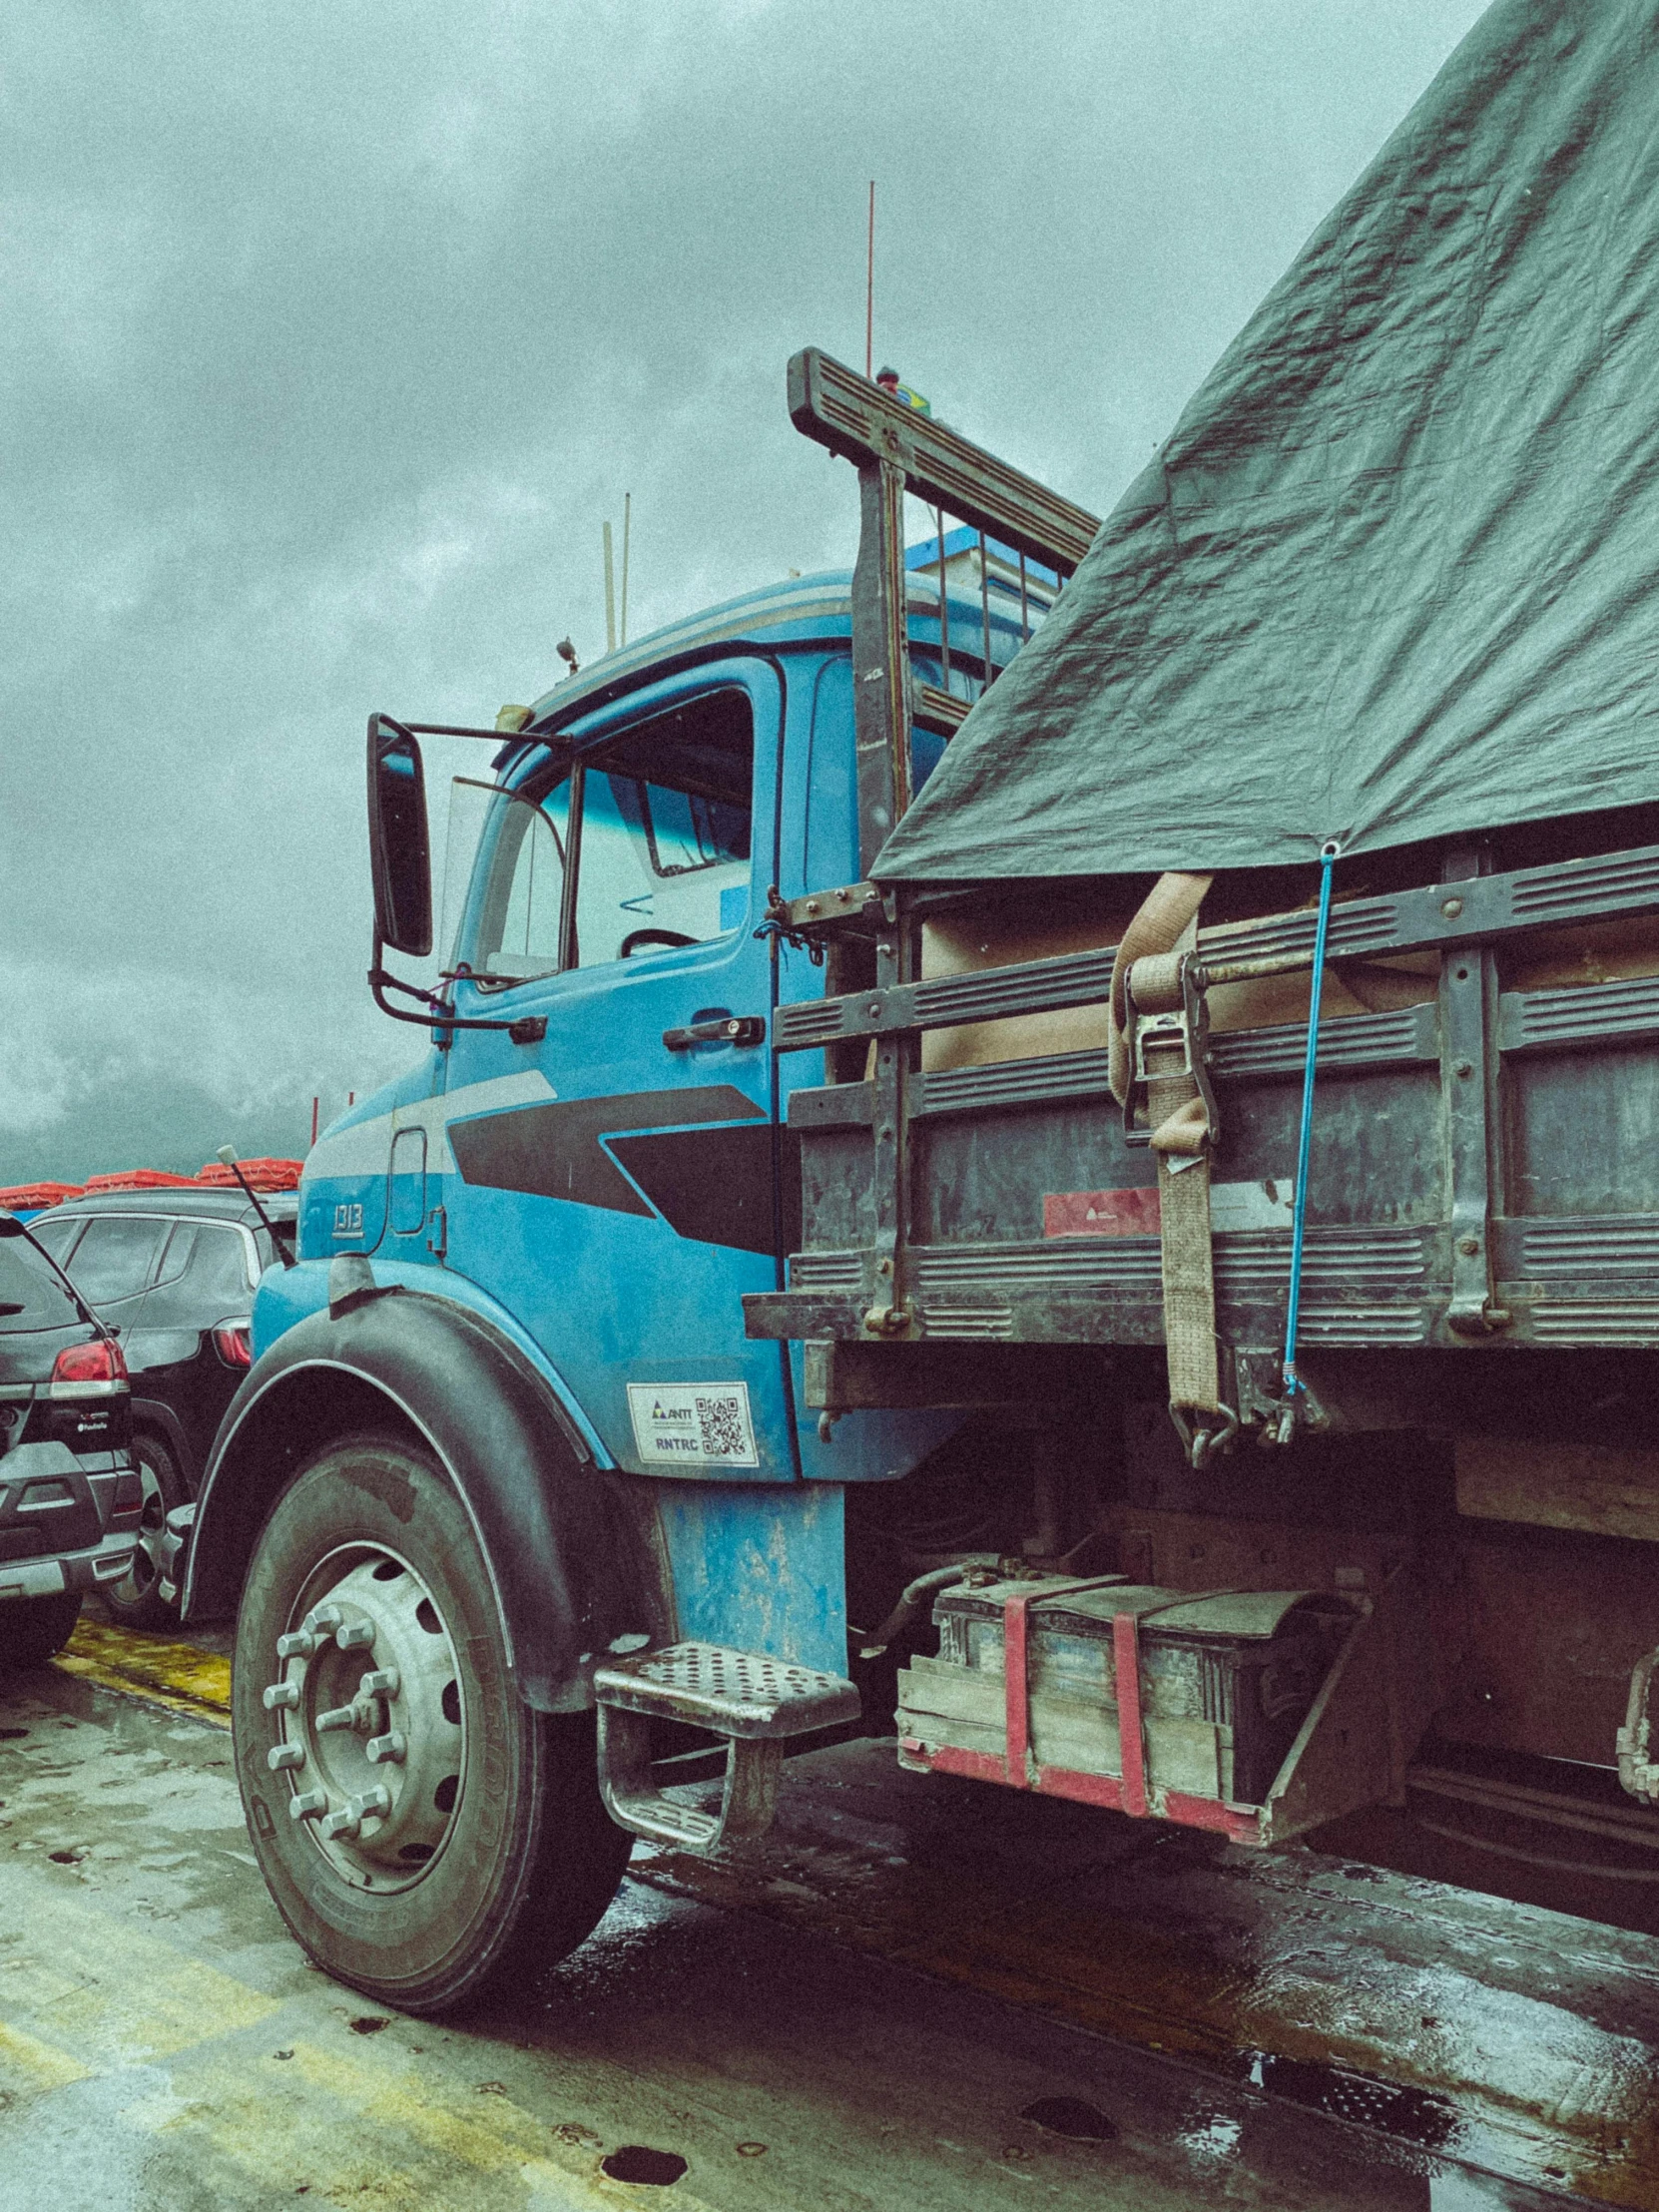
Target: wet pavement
916	1993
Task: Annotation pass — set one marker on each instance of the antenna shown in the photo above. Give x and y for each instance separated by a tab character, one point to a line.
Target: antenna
869	288
627	517
610	595
227	1153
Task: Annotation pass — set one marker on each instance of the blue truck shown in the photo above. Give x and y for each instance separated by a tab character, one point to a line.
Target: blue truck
506	1460
762	1312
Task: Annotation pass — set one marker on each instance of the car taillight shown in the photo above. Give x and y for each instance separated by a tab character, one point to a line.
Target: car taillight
234	1345
129	1494
98	1362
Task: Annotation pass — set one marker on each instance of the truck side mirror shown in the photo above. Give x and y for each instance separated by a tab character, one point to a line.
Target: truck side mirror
399	844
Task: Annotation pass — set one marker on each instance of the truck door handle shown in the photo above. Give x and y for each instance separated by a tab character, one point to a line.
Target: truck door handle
730	1029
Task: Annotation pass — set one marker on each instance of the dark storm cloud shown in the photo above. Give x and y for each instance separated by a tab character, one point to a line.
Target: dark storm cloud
334	330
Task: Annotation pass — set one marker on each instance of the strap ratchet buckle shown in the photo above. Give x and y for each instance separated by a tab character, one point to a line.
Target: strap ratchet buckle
1179	1040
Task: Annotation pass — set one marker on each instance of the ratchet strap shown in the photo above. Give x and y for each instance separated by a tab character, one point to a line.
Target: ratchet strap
1163	1054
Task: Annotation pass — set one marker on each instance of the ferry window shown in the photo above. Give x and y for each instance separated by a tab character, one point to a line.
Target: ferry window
665	837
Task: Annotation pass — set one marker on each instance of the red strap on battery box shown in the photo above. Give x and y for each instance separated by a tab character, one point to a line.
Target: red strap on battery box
1126	1654
1016	1693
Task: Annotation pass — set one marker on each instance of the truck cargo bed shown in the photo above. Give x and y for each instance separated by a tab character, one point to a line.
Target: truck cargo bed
1484	1168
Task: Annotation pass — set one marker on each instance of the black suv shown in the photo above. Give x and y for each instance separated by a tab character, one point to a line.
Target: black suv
173	1273
70	1494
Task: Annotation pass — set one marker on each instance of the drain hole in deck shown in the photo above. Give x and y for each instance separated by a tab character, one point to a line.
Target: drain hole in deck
656	2169
1084	2123
1394	2108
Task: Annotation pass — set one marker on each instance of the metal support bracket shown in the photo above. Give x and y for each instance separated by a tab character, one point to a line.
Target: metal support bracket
1469	1081
880	658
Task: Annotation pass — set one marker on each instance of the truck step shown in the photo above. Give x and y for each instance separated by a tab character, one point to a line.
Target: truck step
751	1700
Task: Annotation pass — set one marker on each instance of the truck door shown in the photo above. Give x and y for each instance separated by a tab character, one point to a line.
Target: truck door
616	1194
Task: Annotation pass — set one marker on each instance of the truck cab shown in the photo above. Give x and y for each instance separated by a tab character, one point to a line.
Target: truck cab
516	1512
606	1163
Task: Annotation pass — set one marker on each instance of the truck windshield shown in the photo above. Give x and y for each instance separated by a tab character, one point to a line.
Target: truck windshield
521	844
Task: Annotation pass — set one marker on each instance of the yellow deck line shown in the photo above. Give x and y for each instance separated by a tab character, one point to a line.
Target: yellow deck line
179	1676
36	2066
87	1989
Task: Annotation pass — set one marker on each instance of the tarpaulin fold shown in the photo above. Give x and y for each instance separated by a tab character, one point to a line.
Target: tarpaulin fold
1393	576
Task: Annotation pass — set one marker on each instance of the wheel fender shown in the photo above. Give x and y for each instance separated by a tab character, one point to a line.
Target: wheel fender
567	1551
163	1422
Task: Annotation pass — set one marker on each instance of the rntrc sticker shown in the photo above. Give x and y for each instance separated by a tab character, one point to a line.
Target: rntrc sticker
692	1424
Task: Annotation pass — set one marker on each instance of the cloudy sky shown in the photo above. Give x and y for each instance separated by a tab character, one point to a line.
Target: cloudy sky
334	332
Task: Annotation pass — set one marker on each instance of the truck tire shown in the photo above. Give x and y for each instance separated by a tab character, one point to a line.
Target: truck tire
434	1835
33	1628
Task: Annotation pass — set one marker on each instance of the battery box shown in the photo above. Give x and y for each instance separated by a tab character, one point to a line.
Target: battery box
1226	1680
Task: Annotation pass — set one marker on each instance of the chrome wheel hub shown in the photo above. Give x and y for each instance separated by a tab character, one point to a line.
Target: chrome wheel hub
370	1725
139	1578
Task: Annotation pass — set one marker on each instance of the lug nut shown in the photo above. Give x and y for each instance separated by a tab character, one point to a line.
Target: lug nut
352	1814
298	1644
322	1620
384	1682
355	1636
284	1755
281	1697
308	1806
338	1716
393	1746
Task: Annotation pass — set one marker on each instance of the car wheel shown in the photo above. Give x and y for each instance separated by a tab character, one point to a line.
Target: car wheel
32	1628
136	1601
422	1831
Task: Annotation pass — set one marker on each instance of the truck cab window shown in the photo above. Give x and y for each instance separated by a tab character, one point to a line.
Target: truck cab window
665	841
525	841
661	844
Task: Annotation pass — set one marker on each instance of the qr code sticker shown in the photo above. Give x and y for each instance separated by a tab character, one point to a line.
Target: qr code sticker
687	1425
721	1428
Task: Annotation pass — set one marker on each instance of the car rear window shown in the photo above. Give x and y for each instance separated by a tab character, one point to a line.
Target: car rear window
214	1259
112	1259
29	1284
57	1236
219	1266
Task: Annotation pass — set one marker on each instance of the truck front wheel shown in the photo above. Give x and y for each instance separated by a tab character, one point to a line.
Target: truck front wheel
422	1831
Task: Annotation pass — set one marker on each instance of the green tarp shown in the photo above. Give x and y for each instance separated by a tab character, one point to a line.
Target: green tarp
1393	573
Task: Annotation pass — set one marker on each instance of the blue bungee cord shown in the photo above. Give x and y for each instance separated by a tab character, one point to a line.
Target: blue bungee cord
1299	1213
